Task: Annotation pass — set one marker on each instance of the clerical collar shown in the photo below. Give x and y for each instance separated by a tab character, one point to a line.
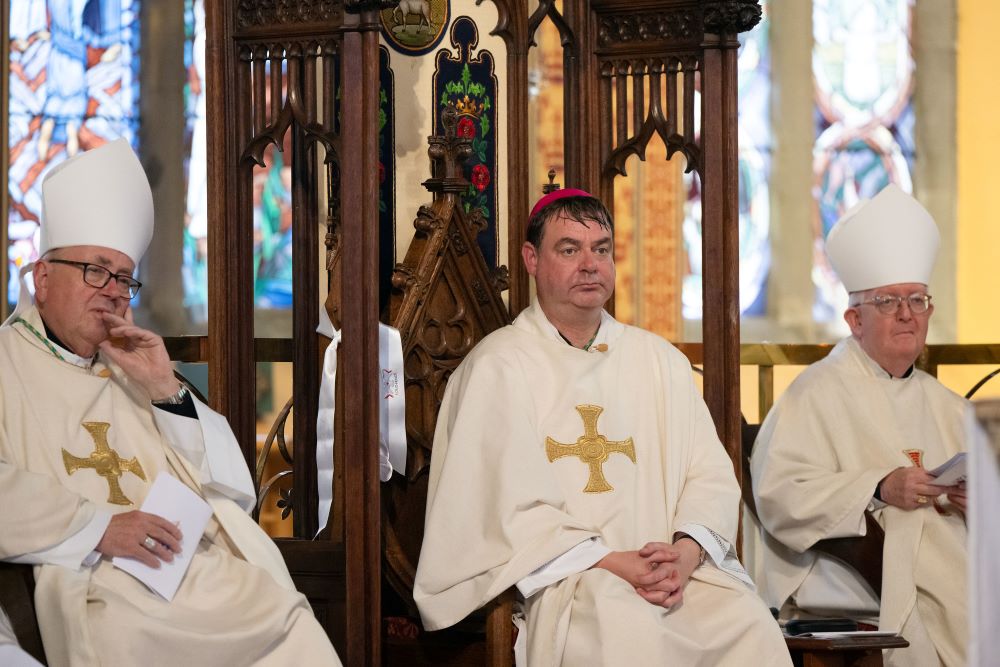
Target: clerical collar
61	351
597	343
877	368
586	346
52	337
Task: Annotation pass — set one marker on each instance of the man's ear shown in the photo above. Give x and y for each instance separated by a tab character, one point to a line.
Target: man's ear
40	276
853	319
529	253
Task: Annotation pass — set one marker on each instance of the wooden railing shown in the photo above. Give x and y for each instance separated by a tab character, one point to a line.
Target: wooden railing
766	356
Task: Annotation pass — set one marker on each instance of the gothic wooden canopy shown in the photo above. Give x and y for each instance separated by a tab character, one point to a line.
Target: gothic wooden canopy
309	69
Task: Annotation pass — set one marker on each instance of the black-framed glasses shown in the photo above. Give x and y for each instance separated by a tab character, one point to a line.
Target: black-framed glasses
96	275
889	305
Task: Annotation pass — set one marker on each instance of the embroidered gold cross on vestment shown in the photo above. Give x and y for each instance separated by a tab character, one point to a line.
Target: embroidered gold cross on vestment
105	461
592	448
917	457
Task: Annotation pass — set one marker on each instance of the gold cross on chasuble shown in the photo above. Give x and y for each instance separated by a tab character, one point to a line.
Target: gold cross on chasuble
592	448
105	461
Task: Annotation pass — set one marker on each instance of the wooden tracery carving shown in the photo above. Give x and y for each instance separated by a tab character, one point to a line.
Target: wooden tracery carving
252	13
638	116
444	301
276	70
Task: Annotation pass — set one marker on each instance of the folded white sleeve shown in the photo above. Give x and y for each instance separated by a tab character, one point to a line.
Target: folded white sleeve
721	553
577	559
208	444
76	551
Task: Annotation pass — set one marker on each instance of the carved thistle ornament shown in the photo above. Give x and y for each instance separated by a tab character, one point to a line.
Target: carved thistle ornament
731	16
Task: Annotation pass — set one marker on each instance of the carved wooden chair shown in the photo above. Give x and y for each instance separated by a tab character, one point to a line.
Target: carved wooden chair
862	554
445	300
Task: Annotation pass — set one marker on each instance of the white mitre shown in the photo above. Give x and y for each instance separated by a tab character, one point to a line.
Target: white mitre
97	198
886	240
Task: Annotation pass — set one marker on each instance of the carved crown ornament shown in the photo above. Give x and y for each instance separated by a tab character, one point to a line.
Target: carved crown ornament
731	16
448	154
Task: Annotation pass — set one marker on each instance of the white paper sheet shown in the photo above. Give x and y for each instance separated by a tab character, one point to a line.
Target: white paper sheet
854	633
950	472
175	502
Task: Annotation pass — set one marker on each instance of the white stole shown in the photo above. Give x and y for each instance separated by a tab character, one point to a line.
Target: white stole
392	411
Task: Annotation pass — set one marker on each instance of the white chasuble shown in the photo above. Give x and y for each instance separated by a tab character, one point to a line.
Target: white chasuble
842	426
81	441
540	446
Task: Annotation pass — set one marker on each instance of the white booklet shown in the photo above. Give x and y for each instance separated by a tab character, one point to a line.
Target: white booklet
175	502
850	633
951	472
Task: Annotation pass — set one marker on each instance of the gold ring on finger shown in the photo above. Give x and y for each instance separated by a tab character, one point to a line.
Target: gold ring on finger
922	499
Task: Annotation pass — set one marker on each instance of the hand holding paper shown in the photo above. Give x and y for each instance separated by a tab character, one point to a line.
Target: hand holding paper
174	501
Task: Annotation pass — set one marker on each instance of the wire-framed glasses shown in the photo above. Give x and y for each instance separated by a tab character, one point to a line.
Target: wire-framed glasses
888	304
96	275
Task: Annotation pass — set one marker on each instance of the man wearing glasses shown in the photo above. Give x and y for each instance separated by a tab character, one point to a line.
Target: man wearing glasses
90	415
859	431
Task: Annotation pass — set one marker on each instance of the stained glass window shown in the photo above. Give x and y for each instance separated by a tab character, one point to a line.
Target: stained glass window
73	85
754	170
863	69
194	268
272	195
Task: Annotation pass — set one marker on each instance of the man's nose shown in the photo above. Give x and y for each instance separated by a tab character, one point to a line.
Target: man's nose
588	261
110	290
904	313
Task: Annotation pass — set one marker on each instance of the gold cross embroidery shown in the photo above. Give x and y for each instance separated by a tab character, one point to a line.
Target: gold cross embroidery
105	461
916	456
592	448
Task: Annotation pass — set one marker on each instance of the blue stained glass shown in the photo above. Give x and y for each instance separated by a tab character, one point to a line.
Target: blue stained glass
194	267
864	118
73	85
754	191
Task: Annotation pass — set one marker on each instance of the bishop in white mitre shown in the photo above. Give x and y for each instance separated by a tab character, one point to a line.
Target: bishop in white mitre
858	432
86	425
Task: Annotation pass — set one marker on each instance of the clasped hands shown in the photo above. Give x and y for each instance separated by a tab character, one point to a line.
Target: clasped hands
141	354
658	571
905	487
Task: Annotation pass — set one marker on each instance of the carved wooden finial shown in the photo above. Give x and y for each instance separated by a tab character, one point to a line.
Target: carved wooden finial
551	186
448	155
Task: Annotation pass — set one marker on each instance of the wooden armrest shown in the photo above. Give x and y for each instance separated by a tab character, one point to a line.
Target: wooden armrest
862	554
17	597
500	630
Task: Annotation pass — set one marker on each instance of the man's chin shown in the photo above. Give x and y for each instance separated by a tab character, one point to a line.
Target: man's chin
591	301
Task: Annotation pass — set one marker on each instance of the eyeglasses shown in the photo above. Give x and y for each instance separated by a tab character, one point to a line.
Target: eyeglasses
890	305
98	276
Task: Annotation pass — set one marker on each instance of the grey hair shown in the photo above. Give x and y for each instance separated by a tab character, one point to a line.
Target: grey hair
854	299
